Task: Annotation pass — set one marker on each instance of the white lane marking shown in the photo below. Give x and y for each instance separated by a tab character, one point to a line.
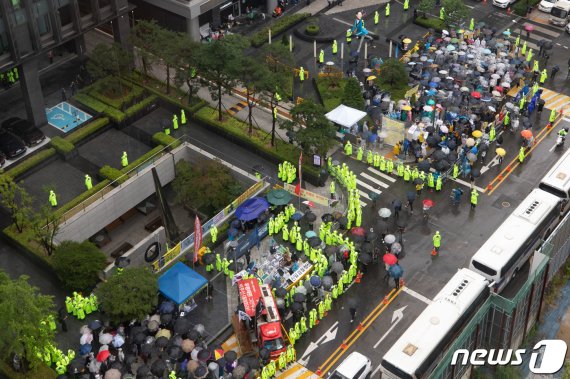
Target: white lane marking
364	194
566	119
385	176
374	180
342	21
366	185
565	98
418	296
542	30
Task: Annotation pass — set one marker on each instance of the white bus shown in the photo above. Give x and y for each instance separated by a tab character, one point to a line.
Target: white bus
510	246
418	351
557	180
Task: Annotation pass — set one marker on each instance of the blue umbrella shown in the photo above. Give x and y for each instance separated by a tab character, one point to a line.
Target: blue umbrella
232	232
85	349
251	209
432	92
315	281
396	271
433	84
166	307
297	216
486	51
310	234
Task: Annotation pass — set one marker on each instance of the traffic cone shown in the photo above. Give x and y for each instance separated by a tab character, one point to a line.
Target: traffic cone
385	301
489	187
318	372
434	252
358	277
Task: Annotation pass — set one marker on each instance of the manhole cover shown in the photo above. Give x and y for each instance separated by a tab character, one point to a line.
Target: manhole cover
505	204
502	202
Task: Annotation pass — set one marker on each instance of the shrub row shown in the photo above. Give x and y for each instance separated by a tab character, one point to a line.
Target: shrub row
61	145
431	22
135	92
165	140
279	26
143	158
138	107
87	130
112	174
30	162
238	130
114	114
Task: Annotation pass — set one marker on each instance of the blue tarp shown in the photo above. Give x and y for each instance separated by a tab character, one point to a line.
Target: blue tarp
251	209
180	282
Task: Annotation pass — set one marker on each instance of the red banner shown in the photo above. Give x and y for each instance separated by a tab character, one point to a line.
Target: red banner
298	186
249	294
197	237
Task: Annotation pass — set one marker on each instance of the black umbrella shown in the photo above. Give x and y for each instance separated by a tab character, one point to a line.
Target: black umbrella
431	141
423	166
438	155
483	147
364	258
201	372
193	335
296	307
411	196
314	241
418	181
382	226
161	342
366	247
442	165
117	364
327	217
143	370
230	356
356	238
299	298
451	157
331	250
174	352
343	221
139	338
182	325
147	348
166	307
476	172
281	292
158	367
208	258
250	361
122	262
204	355
77	364
310	216
165	318
371	236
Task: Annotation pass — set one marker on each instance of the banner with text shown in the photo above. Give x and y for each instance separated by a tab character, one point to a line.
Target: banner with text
306	194
394	130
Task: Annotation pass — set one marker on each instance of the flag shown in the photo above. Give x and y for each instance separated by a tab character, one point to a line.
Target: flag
197	237
298	186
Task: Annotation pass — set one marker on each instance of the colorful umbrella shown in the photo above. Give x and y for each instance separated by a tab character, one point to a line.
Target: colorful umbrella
527	134
390	259
103	355
500	152
407	40
477	133
476	95
358	231
371	78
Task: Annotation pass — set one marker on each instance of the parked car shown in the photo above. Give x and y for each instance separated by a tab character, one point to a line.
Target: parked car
546	5
24	129
355	366
11	145
503	3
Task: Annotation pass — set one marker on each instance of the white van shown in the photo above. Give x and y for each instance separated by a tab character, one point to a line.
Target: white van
560	13
355	366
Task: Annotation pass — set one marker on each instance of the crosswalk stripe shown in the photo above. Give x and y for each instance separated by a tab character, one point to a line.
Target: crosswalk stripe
561	99
387	177
549	94
374	180
542	29
364	194
366	185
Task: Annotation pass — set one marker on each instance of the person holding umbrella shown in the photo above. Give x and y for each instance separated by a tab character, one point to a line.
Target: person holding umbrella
411	197
396	273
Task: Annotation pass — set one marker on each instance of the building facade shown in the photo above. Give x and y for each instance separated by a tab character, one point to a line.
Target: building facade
29	29
195	16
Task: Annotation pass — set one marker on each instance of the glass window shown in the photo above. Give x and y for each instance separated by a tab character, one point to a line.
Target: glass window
65	15
20	30
85	8
4	47
40	11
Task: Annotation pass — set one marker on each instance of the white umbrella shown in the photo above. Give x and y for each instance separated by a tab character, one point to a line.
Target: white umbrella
444	129
384	212
105	338
470	142
496	76
423	58
301	289
496	93
428	108
464	89
367	70
506	85
461	53
86	338
390	238
412	63
84	329
118	341
492	109
439	52
443	72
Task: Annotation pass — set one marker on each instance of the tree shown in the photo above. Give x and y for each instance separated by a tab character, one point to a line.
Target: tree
129	296
22	310
144	37
187	72
168	44
17	200
393	73
252	74
456	12
45	226
78	264
111	60
312	131
426	6
206	185
219	63
352	95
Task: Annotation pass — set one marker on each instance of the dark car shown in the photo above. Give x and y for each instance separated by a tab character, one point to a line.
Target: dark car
11	145
25	130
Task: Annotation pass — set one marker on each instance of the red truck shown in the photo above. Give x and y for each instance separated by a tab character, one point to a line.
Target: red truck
260	307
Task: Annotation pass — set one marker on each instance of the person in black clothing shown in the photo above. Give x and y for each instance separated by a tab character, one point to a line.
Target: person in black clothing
397	205
554	71
248	256
62	316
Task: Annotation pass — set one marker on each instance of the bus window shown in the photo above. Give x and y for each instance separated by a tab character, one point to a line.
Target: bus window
481	267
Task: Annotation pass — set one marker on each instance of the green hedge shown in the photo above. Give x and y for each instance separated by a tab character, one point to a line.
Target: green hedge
26	241
62	146
279	26
431	22
112	174
238	129
165	140
30	162
86	130
82	197
138	107
134	92
312	29
42	371
143	158
114	114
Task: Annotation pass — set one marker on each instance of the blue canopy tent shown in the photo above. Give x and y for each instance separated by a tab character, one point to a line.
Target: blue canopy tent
180	283
251	209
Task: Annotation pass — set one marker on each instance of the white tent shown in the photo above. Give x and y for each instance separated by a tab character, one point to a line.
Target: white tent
345	116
